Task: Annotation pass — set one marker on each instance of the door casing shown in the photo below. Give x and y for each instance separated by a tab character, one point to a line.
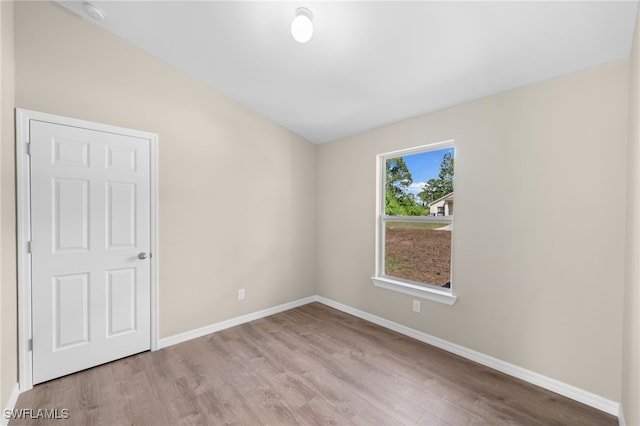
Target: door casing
23	213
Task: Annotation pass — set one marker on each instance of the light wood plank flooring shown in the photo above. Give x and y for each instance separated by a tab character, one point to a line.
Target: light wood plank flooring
311	365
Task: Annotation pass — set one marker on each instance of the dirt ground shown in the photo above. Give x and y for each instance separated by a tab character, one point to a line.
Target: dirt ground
422	255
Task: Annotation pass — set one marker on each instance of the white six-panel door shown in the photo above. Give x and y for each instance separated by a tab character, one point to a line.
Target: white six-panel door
90	231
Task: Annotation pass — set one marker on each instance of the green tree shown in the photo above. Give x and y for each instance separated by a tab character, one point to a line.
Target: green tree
398	177
398	201
443	184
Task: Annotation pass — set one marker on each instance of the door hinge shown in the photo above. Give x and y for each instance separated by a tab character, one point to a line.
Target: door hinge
29	148
29	247
30	344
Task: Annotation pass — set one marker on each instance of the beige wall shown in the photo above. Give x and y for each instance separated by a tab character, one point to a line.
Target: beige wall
631	330
539	288
8	302
237	202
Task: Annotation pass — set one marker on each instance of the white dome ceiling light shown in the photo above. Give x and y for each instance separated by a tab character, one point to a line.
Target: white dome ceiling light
302	25
94	11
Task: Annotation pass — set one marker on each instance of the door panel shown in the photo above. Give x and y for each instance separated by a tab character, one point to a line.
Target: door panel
71	310
121	215
71	153
121	158
122	301
90	211
71	215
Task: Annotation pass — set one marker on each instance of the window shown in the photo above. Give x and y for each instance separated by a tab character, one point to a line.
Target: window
415	221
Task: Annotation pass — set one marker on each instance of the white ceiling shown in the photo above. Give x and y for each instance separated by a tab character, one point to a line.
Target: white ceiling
370	63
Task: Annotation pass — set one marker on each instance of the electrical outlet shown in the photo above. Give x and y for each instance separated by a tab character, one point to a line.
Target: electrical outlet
416	306
241	294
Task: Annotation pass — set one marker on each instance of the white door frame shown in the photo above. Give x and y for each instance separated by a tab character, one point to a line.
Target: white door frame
23	183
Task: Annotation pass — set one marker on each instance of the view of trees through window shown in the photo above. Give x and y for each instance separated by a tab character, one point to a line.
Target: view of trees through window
418	217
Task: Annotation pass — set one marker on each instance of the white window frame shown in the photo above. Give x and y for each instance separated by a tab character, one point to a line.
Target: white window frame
422	290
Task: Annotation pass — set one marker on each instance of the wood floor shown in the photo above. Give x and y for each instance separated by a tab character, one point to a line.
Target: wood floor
311	365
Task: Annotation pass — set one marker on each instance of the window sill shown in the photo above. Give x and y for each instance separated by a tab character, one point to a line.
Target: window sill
434	294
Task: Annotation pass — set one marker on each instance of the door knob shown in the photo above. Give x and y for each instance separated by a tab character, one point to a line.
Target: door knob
142	255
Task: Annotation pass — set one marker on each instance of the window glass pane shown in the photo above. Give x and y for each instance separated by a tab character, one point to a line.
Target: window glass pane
419	185
419	251
413	182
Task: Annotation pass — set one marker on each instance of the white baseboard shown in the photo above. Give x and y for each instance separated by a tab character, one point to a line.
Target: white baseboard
621	421
203	331
11	403
577	394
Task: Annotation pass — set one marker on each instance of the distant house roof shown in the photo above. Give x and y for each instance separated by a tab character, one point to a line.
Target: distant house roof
448	197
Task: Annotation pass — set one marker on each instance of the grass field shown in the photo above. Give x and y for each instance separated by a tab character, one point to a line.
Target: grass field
416	225
417	251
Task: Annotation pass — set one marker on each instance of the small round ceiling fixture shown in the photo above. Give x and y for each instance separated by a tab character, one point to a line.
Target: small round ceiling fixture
302	25
94	11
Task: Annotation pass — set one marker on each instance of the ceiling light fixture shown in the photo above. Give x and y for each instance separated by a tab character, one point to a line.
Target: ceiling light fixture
302	25
94	11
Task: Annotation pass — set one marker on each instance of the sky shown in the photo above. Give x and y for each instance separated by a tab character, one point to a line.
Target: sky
424	166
